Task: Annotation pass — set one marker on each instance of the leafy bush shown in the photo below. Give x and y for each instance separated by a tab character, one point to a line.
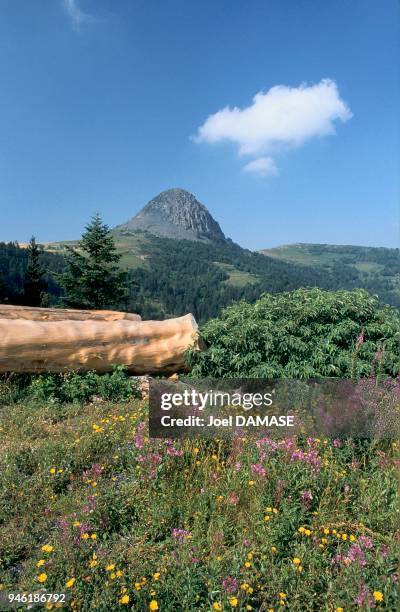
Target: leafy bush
302	334
72	387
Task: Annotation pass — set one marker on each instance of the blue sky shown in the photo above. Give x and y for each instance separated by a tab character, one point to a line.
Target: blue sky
104	103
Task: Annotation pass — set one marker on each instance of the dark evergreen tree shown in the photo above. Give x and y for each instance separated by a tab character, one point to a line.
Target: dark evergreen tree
93	278
3	289
34	282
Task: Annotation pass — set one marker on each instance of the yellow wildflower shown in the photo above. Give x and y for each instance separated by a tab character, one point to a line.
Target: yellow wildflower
156	576
296	561
42	577
378	596
70	583
109	568
40	563
47	548
52	470
124	600
233	601
153	605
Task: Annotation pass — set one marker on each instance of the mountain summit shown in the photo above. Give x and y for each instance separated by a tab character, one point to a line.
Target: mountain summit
175	213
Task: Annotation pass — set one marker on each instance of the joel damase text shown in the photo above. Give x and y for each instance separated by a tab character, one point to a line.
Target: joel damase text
229	421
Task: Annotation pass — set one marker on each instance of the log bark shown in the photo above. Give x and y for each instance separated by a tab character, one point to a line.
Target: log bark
61	314
34	345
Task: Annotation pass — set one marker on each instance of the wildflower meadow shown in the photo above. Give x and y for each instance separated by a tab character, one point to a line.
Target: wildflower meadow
93	508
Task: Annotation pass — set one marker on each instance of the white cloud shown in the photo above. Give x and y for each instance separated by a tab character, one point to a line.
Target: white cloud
263	166
77	15
281	118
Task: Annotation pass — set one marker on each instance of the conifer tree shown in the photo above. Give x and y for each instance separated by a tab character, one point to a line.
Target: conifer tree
3	288
93	278
34	283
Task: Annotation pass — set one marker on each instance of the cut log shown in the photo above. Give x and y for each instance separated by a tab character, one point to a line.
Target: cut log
35	345
62	314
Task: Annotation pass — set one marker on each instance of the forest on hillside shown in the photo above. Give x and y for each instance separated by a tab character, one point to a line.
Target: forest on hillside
184	276
13	265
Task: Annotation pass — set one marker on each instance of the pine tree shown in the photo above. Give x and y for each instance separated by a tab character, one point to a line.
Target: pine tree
34	283
93	278
3	288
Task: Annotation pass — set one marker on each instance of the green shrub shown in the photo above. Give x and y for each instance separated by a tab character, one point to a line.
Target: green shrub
302	334
72	387
13	388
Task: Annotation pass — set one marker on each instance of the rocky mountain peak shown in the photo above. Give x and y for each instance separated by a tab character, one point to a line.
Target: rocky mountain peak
176	213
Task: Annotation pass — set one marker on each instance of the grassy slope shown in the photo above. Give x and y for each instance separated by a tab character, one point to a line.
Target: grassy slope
87	481
329	254
237	278
132	248
369	261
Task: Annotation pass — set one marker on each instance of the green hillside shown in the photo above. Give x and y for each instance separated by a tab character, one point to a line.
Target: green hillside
131	246
179	276
169	277
375	268
365	259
